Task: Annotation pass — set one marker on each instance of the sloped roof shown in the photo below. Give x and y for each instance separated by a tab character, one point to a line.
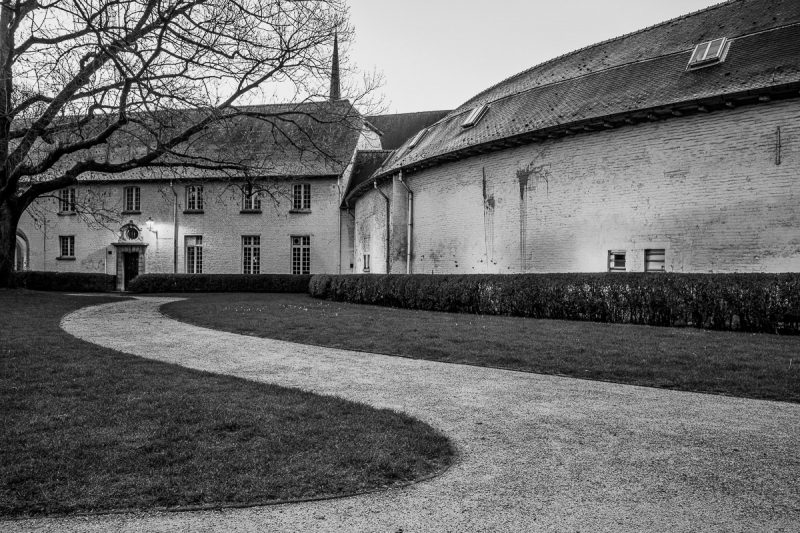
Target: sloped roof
399	127
311	139
632	74
364	166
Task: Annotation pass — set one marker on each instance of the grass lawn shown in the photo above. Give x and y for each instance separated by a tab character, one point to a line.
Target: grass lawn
739	364
86	428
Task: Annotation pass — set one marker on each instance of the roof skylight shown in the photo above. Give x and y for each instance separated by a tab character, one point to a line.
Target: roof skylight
474	116
709	53
417	138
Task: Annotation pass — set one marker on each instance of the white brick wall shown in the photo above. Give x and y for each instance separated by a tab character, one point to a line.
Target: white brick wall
705	188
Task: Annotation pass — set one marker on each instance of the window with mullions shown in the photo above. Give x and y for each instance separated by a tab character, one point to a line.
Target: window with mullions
301	255
67	246
66	201
654	260
194	198
251	199
301	197
131	200
194	254
251	254
616	261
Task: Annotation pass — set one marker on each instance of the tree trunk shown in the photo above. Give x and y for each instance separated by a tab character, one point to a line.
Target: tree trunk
9	218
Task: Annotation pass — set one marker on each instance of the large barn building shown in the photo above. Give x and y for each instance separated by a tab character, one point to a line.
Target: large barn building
674	148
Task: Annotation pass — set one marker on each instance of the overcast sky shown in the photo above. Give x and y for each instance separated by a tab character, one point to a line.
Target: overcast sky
436	54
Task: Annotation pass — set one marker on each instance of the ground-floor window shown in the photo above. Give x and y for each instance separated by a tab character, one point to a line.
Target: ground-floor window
194	254
366	262
654	260
251	254
67	246
301	255
616	261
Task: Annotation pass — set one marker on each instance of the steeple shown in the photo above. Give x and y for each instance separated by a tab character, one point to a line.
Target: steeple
335	93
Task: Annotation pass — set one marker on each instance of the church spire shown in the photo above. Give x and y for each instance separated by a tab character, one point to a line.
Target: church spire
335	89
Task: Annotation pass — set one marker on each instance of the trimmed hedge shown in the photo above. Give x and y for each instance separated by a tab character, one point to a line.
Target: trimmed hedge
219	283
65	281
741	302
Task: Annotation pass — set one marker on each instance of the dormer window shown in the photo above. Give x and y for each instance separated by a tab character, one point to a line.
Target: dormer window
709	53
475	116
417	138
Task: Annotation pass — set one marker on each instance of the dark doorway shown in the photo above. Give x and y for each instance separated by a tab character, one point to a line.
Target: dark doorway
130	262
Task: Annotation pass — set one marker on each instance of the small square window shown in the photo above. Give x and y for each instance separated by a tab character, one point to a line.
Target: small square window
654	260
475	116
709	53
616	261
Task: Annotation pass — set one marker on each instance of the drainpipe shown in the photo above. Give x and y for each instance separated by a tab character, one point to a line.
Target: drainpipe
175	231
388	226
410	222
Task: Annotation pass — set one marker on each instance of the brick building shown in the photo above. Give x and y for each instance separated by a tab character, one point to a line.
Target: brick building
674	148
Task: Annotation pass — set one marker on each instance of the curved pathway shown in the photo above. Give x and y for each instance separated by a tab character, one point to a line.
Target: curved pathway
536	453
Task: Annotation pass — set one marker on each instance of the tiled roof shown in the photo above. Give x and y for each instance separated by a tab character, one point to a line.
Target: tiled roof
365	164
280	140
400	127
634	73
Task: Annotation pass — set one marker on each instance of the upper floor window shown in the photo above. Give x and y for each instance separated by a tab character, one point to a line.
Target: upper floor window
301	197
66	246
709	53
301	255
251	198
131	200
616	261
474	116
194	198
66	201
194	254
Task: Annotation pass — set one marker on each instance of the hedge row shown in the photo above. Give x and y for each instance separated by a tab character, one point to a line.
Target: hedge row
219	283
745	302
64	281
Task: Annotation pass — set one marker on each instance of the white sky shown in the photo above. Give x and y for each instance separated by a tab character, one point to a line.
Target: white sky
436	54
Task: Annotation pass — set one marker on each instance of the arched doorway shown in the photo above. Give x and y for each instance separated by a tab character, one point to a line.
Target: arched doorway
21	253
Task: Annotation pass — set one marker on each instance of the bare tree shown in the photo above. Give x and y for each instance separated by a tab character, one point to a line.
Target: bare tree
112	86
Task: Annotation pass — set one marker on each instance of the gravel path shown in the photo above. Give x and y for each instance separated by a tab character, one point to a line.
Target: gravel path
536	453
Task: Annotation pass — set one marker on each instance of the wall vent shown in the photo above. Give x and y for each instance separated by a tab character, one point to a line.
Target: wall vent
709	53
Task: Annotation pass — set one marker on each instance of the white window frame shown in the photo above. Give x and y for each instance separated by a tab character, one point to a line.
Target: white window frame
301	197
649	260
301	254
611	261
475	116
132	199
66	243
251	199
251	254
194	198
66	200
365	269
700	54
194	254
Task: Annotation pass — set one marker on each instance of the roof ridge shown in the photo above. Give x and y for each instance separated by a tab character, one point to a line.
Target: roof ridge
601	43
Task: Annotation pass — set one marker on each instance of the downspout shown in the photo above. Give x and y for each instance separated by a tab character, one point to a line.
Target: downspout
388	226
410	222
175	231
